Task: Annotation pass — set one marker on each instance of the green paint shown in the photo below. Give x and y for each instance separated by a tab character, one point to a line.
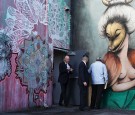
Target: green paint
119	100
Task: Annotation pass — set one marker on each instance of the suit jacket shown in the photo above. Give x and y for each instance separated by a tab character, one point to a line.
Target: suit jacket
83	73
63	73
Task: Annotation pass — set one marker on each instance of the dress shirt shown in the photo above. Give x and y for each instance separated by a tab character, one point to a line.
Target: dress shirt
84	62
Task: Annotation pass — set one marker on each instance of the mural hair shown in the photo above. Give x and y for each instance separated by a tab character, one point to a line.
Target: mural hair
121	13
118	19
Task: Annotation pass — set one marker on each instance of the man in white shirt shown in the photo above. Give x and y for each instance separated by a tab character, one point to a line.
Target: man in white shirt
99	76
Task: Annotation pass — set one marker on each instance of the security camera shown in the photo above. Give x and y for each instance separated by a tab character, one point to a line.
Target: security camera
67	9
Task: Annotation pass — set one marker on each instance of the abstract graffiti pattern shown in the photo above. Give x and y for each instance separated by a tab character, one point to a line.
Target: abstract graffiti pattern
28	13
26	57
32	64
59	24
34	55
5	55
21	20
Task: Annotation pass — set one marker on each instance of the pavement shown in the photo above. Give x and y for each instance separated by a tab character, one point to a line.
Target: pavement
72	110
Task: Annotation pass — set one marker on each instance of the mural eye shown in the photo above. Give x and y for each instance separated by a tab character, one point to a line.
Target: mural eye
117	35
108	35
109	38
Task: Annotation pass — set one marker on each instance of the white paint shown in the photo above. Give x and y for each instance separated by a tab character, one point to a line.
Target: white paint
21	20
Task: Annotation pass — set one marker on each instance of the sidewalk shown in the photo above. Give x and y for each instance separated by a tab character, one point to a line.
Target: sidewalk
57	110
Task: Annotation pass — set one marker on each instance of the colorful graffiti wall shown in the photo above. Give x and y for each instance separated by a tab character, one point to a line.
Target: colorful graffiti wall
59	23
109	32
26	50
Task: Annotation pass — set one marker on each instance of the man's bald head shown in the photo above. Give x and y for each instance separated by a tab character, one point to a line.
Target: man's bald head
67	59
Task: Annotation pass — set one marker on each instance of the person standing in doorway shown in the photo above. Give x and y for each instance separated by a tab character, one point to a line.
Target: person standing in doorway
83	82
99	76
64	71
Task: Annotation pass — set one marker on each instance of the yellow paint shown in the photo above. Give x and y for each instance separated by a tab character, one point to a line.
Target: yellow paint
116	34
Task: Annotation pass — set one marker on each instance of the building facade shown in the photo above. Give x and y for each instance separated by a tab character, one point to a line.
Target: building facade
29	31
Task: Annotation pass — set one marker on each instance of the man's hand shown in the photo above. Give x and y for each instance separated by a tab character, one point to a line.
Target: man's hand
84	83
71	69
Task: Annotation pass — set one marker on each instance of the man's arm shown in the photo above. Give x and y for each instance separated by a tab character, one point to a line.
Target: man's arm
81	71
105	73
71	69
62	69
123	86
89	70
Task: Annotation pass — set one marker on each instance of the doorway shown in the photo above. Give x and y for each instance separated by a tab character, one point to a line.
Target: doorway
58	57
73	88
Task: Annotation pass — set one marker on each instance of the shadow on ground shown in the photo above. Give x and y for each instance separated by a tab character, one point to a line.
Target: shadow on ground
57	110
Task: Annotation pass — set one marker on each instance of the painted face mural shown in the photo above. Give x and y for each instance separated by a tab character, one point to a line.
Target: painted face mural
116	24
116	34
5	55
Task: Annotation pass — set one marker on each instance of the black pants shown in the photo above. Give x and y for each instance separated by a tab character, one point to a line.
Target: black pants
63	95
97	91
83	96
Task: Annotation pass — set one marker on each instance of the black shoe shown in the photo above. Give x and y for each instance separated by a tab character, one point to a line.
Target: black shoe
92	107
87	108
81	109
60	104
97	108
66	105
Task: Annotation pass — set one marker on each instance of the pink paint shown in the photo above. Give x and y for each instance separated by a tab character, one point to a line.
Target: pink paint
13	94
49	93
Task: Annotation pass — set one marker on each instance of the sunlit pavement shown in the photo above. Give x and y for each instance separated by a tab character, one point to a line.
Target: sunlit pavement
57	110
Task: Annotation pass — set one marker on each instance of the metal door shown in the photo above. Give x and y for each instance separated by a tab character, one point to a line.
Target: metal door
58	57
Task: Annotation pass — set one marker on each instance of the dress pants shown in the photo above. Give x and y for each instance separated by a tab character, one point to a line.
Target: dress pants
97	91
83	96
63	95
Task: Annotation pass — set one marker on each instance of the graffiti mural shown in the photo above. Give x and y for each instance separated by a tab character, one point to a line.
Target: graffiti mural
5	55
117	24
30	29
33	66
33	61
21	20
26	55
59	23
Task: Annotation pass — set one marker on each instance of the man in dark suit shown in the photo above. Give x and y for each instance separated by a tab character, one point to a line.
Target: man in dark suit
83	82
64	72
